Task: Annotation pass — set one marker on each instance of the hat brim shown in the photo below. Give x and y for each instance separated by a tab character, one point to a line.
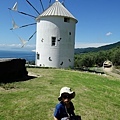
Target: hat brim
71	93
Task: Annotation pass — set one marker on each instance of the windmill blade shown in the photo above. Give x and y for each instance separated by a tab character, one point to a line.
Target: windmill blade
41	4
15	26
23	41
26	14
27	25
15	7
23	13
32	7
31	36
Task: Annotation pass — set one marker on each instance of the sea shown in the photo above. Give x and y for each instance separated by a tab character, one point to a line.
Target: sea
27	55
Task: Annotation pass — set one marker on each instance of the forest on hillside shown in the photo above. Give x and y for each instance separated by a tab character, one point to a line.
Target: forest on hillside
91	59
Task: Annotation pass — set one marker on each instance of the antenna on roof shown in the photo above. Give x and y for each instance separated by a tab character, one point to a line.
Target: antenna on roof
49	2
63	2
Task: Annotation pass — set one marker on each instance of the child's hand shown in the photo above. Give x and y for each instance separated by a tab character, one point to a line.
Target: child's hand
65	118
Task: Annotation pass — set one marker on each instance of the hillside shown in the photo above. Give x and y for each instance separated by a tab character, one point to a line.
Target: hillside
97	96
94	49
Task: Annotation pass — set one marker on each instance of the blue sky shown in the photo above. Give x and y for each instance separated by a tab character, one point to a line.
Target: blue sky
98	22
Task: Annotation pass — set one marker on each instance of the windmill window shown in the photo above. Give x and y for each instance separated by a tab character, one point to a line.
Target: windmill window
53	41
69	60
38	56
70	33
42	40
59	39
50	59
66	19
61	63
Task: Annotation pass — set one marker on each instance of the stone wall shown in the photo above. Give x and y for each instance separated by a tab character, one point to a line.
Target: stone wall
12	69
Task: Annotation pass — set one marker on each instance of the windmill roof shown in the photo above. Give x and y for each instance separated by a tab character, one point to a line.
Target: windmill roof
56	9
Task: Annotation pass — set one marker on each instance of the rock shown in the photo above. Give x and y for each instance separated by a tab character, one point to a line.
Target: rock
12	69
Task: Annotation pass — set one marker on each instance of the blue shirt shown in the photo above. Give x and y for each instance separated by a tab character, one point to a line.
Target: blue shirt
60	111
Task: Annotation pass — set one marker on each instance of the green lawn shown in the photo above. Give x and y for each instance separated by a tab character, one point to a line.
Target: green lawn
97	96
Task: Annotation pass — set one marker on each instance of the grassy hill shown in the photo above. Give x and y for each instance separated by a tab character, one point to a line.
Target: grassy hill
93	49
97	96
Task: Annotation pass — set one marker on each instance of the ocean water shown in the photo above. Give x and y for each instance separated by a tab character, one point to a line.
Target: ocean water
28	55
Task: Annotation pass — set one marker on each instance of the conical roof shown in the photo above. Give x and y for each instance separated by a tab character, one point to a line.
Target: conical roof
56	9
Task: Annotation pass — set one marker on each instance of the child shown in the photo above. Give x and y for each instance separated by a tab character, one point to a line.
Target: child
65	109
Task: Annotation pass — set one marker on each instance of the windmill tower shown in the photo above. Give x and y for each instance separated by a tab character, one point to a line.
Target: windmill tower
55	37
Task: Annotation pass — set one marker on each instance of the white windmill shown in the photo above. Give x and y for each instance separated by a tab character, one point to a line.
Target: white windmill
55	36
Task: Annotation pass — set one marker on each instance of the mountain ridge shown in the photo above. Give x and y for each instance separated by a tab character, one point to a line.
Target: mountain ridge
96	49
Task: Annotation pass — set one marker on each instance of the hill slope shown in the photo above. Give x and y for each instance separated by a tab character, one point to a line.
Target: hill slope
93	49
97	96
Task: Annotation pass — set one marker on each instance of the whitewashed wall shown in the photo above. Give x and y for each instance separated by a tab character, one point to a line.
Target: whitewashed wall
62	54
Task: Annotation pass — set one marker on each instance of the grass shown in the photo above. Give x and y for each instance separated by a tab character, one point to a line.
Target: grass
97	96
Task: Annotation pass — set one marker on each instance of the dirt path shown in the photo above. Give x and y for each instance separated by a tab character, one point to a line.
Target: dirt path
113	73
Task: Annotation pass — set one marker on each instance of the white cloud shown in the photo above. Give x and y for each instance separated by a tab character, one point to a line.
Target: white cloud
108	34
32	47
16	46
